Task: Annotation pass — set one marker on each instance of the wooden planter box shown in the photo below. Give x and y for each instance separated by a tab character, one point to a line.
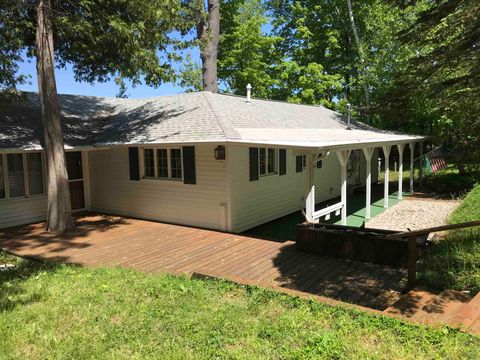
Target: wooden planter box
367	245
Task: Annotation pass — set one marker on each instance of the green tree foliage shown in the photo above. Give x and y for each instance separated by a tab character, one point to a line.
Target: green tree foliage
190	75
445	72
10	50
322	32
100	39
246	54
250	55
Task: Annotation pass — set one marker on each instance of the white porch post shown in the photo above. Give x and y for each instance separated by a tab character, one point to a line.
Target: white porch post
343	156
400	147
420	165
386	153
368	152
310	188
412	167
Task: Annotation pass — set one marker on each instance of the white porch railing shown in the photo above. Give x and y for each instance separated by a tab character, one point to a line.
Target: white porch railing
327	211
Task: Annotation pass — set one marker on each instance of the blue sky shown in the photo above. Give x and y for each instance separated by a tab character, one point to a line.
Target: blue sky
66	84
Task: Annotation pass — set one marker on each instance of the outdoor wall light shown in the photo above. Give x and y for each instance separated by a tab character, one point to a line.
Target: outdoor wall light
219	152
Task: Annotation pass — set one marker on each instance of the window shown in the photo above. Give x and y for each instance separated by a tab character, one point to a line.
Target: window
319	164
262	161
271	161
16	180
176	163
162	163
149	163
35	174
267	161
300	163
21	175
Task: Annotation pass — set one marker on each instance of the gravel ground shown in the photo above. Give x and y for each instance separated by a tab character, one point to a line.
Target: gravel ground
413	214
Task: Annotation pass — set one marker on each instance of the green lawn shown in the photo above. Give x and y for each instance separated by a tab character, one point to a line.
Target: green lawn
56	311
454	262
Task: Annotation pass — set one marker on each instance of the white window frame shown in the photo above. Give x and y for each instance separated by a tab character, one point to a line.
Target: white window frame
169	165
155	163
44	175
275	155
27	195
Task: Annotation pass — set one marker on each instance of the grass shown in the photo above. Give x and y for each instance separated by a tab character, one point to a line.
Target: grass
57	311
454	261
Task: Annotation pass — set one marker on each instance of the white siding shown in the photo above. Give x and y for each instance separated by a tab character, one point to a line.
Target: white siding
20	211
256	202
202	204
206	204
327	179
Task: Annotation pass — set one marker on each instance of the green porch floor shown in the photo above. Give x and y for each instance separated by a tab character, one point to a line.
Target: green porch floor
283	229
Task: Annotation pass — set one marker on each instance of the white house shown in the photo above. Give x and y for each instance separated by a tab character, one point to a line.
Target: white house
201	159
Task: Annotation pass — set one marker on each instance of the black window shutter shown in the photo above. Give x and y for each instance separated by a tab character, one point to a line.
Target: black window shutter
189	172
134	163
282	155
298	163
253	164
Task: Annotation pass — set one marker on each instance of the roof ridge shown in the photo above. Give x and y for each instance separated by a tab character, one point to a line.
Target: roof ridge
320	106
222	125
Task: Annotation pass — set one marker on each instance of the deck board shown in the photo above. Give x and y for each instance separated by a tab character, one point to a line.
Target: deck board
100	240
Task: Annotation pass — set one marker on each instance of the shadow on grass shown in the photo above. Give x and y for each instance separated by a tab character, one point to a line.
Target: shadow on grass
447	184
13	291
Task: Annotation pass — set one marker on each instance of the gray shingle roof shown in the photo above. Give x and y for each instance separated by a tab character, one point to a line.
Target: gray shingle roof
193	117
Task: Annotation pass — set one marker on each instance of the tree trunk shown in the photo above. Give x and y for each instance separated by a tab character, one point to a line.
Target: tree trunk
59	211
208	32
361	56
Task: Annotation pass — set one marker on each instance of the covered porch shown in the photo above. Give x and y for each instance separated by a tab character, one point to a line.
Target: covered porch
325	212
283	228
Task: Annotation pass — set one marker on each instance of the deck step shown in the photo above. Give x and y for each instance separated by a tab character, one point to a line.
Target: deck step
412	302
442	308
475	326
469	314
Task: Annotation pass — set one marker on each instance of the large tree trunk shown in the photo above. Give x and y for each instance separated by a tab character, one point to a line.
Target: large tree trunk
59	211
208	32
361	56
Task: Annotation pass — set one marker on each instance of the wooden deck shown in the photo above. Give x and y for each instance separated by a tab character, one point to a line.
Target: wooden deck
157	247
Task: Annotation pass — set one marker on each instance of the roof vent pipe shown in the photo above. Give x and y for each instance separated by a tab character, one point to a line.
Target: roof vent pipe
349	110
249	89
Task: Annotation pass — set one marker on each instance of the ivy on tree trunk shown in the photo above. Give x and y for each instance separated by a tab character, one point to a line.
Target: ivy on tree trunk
59	211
